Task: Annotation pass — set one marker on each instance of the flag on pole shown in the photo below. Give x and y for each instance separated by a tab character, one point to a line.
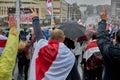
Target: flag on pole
51	60
49	7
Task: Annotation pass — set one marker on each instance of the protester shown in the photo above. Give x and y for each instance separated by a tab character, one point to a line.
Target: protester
24	56
76	48
51	59
8	57
94	61
110	52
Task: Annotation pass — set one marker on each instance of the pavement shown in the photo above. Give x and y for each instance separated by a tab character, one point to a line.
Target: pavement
15	72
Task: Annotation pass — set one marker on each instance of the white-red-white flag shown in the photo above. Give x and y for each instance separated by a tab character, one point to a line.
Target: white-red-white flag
49	7
3	41
91	48
51	61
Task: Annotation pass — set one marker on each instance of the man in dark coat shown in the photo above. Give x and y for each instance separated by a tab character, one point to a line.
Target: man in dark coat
110	52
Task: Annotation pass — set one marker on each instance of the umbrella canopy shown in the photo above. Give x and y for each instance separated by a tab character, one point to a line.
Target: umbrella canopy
72	29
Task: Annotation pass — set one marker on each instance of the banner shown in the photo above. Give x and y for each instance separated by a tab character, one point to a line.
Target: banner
25	15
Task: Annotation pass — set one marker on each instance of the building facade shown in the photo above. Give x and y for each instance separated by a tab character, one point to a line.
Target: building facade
60	8
62	11
115	8
5	4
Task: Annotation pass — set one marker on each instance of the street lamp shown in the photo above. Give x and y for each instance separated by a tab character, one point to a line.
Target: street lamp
18	14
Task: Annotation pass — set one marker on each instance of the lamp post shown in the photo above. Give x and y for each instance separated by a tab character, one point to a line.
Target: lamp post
18	14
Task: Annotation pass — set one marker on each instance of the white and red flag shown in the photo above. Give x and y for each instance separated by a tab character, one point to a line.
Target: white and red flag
3	41
80	22
49	7
51	61
91	48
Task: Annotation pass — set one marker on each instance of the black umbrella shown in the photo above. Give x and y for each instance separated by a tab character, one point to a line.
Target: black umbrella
72	29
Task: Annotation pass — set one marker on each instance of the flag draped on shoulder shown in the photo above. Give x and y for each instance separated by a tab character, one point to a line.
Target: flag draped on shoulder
51	60
3	41
91	48
49	7
8	57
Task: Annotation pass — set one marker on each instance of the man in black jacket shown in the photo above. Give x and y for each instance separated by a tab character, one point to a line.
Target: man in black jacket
110	52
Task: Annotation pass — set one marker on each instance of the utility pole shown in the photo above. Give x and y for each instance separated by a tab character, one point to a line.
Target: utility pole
69	12
61	11
18	14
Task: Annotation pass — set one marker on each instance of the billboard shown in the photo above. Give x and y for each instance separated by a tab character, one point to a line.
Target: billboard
25	15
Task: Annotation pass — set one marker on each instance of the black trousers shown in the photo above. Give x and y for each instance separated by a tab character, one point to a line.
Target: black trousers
23	66
95	74
23	69
74	74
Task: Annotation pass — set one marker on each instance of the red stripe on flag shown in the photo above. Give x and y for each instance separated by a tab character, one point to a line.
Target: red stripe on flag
91	45
3	43
45	58
49	1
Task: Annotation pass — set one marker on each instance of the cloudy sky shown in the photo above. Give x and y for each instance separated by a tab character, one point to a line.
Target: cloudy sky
95	2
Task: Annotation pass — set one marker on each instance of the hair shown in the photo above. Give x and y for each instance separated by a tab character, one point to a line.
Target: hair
118	36
22	45
58	35
94	36
69	43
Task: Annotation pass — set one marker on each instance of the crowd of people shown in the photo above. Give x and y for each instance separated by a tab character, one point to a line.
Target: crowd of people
44	55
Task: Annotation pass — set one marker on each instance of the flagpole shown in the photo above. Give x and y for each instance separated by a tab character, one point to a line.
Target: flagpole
52	20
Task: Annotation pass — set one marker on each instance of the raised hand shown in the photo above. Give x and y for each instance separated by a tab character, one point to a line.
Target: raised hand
34	13
104	14
12	21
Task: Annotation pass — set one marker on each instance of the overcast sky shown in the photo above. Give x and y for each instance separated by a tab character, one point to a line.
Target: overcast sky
94	2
